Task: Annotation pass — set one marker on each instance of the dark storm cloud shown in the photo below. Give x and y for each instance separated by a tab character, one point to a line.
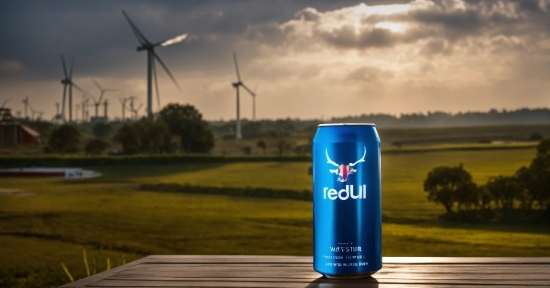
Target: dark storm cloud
295	49
98	37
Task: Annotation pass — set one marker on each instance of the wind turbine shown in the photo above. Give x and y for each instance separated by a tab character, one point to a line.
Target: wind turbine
123	103
237	85
26	102
84	105
151	56
135	111
100	97
68	82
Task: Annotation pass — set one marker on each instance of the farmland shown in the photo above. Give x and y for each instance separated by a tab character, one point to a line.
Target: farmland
59	218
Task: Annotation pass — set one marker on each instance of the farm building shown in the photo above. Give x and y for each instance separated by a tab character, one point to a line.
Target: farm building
14	133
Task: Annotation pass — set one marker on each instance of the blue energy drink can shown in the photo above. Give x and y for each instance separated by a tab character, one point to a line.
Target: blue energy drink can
347	212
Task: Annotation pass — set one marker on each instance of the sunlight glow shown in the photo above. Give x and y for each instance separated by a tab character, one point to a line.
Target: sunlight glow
174	40
364	9
392	26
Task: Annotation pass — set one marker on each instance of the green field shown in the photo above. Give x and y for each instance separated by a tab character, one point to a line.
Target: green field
62	217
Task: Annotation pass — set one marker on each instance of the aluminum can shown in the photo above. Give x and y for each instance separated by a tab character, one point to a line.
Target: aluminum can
347	206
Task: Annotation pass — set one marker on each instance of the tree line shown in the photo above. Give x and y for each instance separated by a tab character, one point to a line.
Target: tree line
175	129
524	195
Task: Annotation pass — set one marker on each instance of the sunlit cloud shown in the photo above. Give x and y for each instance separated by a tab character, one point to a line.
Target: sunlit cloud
394	58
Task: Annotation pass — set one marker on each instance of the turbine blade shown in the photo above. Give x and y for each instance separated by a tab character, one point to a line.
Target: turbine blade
166	69
78	88
156	85
100	97
64	66
93	98
248	90
256	88
236	66
71	69
174	40
97	85
139	35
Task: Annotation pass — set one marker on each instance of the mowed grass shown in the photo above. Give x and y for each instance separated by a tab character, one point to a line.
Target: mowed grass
40	231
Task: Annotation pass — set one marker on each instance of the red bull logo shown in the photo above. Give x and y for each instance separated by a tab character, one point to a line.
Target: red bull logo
344	171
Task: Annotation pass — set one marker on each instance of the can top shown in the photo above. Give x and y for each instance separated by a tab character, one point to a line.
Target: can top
346	124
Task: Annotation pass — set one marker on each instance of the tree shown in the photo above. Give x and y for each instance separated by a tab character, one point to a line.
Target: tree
154	136
504	190
102	130
64	139
128	137
447	185
540	169
262	145
186	122
96	146
146	136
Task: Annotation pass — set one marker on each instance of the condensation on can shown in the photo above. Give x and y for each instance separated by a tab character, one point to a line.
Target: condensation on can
347	216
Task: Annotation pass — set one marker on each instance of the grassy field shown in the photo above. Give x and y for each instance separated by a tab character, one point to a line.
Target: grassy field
62	217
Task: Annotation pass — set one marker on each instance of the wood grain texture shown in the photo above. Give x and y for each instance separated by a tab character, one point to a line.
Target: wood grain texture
295	271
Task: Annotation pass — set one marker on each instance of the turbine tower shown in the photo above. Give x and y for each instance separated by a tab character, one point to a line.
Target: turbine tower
68	82
123	103
151	57
236	85
254	102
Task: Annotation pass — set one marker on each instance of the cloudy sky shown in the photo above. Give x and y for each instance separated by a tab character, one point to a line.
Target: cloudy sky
305	59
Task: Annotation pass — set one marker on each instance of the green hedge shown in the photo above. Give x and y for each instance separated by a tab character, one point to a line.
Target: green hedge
304	195
88	161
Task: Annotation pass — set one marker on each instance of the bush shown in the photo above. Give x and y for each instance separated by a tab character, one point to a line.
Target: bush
102	130
96	146
185	122
64	139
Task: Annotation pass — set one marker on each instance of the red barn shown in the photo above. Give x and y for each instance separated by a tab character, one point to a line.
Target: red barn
13	133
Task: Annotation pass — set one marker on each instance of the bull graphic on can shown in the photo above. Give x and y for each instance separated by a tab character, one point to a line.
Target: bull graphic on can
343	171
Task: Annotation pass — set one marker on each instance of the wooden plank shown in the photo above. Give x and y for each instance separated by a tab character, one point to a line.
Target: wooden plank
260	283
309	259
297	271
445	268
307	272
85	281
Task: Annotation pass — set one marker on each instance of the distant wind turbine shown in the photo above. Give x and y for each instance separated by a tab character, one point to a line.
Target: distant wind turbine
123	103
254	102
100	97
151	57
26	102
68	82
236	85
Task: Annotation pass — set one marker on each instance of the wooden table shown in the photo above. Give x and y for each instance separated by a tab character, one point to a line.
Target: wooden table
296	271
